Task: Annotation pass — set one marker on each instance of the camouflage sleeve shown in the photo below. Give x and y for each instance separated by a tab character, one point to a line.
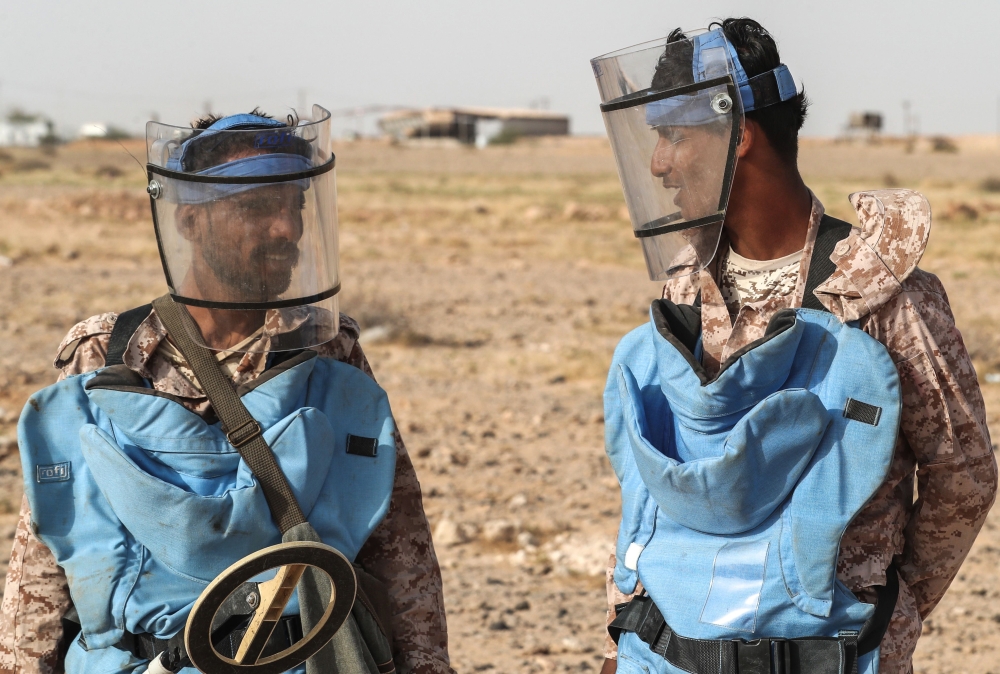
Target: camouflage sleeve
400	553
36	594
35	598
944	422
615	597
85	346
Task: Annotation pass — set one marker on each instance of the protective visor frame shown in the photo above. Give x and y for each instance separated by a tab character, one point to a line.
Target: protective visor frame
152	169
663	225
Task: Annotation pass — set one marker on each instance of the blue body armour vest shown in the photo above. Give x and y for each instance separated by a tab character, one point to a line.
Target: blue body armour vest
736	489
143	503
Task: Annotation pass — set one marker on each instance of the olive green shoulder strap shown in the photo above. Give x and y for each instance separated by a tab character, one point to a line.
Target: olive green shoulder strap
831	232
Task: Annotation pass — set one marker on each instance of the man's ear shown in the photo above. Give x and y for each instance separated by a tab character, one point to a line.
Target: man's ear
187	218
750	133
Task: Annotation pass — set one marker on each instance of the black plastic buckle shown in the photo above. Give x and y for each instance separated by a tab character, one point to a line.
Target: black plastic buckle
781	656
753	657
650	624
234	435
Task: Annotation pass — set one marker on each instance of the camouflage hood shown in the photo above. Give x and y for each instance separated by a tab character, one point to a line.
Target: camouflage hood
875	258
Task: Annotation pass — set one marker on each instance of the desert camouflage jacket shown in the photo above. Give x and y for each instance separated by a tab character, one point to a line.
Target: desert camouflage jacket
943	444
399	552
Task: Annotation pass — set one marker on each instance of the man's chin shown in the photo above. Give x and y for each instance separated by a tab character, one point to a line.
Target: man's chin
259	295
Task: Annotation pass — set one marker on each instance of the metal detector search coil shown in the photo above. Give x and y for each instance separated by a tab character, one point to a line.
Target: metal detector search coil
291	560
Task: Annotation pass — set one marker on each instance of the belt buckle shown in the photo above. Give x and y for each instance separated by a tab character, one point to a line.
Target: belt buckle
233	435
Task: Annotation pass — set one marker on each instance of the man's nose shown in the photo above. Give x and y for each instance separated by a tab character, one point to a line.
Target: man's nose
286	224
663	158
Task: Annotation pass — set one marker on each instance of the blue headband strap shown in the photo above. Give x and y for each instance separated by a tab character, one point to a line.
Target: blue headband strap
755	92
272	165
242	122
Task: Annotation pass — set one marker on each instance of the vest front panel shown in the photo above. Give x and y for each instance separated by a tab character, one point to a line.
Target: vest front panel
153	503
736	490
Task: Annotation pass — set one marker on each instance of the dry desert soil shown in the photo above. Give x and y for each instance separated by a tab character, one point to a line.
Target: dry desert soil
492	286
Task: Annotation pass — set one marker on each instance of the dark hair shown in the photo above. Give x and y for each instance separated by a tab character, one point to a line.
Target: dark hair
758	53
218	148
211	118
673	69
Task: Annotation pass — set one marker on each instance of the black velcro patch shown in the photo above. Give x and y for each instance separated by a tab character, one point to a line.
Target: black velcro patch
360	446
863	412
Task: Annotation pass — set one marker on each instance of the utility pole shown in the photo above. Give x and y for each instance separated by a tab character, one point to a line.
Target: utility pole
908	127
303	101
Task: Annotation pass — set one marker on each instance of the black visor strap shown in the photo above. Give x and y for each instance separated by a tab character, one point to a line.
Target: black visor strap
650	95
679	227
734	141
257	306
241	180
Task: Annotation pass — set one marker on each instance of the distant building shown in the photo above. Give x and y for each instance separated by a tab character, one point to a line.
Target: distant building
24	131
473	125
866	125
93	131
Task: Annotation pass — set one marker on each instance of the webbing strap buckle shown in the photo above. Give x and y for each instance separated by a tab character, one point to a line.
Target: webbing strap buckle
650	623
763	656
781	656
244	433
753	657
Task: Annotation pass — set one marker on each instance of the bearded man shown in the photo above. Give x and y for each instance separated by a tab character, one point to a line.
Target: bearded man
139	486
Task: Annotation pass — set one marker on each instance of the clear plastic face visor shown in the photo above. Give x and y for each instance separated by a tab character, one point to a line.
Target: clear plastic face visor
246	223
674	118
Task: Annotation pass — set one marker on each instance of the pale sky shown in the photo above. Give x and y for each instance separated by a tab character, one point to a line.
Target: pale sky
120	61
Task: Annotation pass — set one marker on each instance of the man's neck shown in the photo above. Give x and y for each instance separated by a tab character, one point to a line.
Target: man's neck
220	328
769	211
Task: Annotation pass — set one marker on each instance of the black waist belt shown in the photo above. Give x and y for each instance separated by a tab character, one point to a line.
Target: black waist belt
286	633
813	655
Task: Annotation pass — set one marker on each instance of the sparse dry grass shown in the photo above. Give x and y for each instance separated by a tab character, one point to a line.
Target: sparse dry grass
493	286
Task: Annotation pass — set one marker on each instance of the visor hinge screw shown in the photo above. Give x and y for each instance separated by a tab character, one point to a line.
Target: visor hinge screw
154	189
722	103
252	600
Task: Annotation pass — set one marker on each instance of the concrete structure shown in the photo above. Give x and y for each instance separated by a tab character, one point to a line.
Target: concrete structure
473	125
27	132
93	131
864	125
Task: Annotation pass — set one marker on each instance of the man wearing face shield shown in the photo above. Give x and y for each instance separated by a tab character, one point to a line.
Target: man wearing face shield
799	382
245	215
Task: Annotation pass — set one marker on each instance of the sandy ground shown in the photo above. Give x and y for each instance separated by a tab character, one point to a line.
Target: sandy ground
492	287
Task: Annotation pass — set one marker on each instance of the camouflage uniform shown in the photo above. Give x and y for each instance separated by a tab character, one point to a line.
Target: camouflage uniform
943	440
744	284
399	551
